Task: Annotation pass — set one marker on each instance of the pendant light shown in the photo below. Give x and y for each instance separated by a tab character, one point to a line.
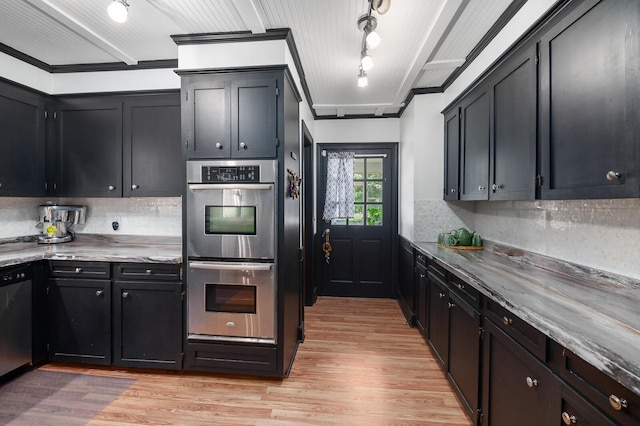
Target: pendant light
118	10
366	61
363	81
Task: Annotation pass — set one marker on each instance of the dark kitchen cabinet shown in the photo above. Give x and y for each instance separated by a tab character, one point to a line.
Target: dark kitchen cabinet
438	319
406	281
516	387
230	115
22	142
589	98
90	148
474	151
147	317
80	313
452	154
152	163
422	288
512	165
577	410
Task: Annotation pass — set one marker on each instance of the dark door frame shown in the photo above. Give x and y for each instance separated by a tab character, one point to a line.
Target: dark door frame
308	242
393	147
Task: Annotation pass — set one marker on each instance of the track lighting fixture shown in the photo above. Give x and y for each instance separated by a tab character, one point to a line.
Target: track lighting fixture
363	81
118	10
370	38
366	62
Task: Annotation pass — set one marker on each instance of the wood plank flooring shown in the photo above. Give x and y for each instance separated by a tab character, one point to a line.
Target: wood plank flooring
359	365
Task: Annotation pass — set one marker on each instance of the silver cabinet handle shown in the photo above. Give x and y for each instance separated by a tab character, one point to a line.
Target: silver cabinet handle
99	293
78	270
221	266
134	186
422	275
243	145
453	190
506	321
532	382
481	188
219	145
228	186
451	305
441	295
125	294
613	175
618	403
111	187
568	419
460	286
495	186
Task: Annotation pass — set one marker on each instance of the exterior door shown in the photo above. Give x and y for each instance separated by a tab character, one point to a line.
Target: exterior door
361	261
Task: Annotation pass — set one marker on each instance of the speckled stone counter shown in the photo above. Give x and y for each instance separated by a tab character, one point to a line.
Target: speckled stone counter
593	314
96	248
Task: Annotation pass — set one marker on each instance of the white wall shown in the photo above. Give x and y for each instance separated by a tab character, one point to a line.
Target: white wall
357	130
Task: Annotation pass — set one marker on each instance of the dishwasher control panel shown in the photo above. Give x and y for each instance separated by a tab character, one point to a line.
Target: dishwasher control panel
15	275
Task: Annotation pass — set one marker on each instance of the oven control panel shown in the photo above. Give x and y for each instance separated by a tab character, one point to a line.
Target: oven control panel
230	174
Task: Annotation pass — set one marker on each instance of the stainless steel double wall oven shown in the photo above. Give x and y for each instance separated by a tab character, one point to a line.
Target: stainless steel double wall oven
231	247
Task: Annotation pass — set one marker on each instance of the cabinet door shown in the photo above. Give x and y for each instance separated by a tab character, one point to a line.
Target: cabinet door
513	147
80	320
517	388
576	410
207	119
464	353
451	154
147	324
439	319
254	117
22	142
153	164
589	97
422	287
406	282
474	165
90	147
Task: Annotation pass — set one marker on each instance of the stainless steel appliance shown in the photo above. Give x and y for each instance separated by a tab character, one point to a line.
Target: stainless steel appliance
57	222
15	318
231	247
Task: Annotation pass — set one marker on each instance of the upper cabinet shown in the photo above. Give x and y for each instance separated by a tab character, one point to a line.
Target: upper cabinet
114	146
589	102
558	114
230	115
22	142
451	154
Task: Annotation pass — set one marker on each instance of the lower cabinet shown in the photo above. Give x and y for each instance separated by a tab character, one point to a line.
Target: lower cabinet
438	331
80	320
517	388
134	320
422	287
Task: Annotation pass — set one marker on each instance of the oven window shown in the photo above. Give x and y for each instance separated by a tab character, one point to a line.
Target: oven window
234	220
237	299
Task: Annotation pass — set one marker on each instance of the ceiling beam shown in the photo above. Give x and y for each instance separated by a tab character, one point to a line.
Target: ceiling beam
443	64
64	18
248	11
443	23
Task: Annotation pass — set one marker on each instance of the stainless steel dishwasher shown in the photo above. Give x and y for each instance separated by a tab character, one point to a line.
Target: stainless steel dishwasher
15	317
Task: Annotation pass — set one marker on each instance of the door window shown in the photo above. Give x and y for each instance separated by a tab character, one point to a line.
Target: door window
367	185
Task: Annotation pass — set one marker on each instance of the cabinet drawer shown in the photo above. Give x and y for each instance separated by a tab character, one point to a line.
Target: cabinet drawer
225	358
599	389
523	333
147	271
420	260
437	271
576	410
465	291
67	269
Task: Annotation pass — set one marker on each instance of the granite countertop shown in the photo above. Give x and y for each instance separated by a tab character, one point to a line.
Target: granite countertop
96	248
593	314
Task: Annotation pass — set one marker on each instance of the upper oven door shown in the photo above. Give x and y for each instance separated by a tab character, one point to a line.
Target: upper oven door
231	220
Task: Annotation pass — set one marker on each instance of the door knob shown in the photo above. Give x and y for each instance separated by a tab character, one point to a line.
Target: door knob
568	419
99	293
243	145
532	382
134	186
219	145
613	175
111	187
617	403
125	294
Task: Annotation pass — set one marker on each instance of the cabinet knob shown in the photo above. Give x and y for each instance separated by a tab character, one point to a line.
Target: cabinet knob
125	294
613	175
134	186
422	275
481	188
460	286
495	186
99	293
148	272
618	403
78	270
568	419
451	305
506	321
219	145
111	187
243	145
452	190
441	295
532	382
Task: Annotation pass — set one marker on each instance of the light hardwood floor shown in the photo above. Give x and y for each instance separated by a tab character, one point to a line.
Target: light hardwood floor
359	365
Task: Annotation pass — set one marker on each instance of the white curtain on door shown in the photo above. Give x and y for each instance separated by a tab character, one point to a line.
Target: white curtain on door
338	202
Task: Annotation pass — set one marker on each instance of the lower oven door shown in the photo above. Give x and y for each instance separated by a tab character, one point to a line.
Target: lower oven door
233	301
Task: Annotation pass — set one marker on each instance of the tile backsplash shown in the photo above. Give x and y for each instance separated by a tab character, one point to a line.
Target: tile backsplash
602	234
136	216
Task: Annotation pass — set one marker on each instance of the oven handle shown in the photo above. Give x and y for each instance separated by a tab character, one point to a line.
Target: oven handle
206	186
231	266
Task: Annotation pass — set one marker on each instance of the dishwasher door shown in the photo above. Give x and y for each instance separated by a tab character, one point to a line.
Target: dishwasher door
15	319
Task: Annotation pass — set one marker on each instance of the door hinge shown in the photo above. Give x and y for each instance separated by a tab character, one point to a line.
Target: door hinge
481	333
55	115
182	296
277	91
47	290
186	96
47	348
46	114
537	58
186	144
539	181
480	416
277	142
46	186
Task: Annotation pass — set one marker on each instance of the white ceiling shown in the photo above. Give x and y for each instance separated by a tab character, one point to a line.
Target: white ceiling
423	41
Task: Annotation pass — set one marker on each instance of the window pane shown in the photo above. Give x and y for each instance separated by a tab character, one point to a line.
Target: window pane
374	214
374	192
338	221
358	169
374	168
358	215
358	192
